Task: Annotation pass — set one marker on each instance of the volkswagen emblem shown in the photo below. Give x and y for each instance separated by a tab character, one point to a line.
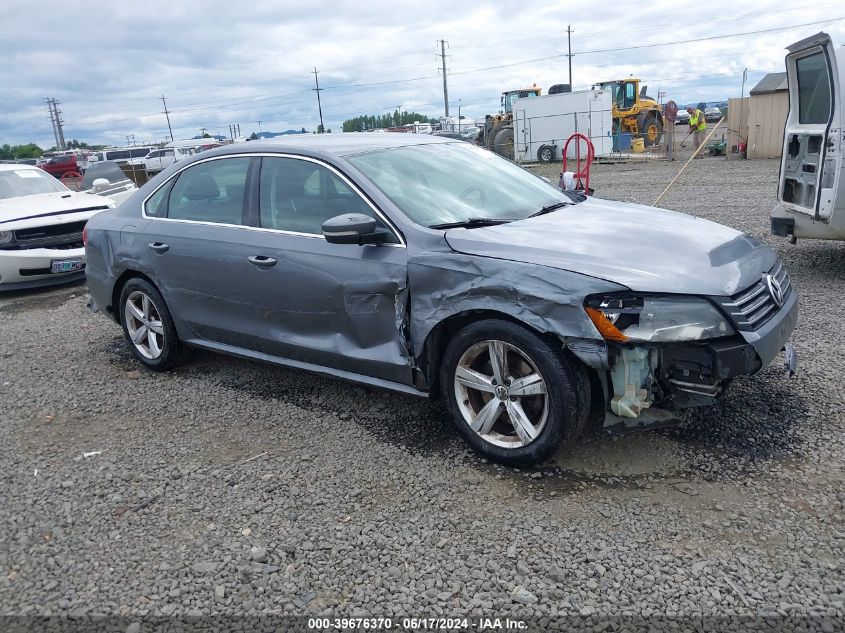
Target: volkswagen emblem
776	292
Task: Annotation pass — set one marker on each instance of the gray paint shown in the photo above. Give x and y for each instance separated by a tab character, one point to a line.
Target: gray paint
643	248
366	312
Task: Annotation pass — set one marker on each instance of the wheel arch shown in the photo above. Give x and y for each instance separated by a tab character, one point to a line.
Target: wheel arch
122	280
431	351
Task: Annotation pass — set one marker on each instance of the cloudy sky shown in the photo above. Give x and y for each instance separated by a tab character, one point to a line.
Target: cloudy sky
222	62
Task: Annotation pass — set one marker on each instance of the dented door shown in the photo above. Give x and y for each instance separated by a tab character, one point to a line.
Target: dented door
812	146
336	305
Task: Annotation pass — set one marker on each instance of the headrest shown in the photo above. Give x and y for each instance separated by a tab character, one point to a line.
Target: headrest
202	187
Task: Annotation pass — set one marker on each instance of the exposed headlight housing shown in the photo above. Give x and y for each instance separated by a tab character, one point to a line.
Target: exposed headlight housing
656	319
5	237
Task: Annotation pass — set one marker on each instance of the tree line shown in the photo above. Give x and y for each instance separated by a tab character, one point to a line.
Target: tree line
15	152
374	122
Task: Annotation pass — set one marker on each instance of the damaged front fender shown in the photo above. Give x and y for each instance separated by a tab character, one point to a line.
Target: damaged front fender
444	284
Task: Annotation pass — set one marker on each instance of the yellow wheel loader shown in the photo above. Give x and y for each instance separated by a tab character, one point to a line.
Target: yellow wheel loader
634	111
498	128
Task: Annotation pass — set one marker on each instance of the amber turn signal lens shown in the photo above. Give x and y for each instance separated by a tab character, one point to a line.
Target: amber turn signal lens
604	326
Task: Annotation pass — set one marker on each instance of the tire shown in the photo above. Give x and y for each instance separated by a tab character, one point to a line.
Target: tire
503	145
546	153
556	415
651	129
159	347
490	137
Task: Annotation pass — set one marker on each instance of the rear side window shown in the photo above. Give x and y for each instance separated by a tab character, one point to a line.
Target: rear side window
156	206
813	89
210	192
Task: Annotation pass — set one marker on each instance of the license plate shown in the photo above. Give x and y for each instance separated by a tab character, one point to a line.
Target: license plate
66	265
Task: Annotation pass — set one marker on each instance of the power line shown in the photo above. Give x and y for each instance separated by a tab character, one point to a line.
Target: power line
252	102
707	39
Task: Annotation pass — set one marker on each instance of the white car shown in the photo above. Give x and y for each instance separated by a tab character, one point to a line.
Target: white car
159	159
41	224
106	179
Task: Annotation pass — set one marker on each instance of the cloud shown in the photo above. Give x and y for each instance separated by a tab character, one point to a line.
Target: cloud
221	62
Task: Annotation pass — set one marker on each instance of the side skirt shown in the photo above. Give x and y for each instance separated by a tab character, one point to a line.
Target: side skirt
328	372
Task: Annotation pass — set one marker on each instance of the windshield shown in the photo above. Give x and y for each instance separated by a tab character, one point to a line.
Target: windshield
28	182
453	182
106	169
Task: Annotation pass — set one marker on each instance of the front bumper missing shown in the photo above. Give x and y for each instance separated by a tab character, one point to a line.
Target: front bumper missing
691	374
647	383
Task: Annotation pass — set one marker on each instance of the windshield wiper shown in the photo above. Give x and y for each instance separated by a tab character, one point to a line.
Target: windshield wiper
549	208
472	223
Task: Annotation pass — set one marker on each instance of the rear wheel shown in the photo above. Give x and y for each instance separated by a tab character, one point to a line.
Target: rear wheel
546	153
514	397
148	327
503	145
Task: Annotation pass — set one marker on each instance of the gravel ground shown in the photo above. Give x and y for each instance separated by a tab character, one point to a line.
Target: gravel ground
229	487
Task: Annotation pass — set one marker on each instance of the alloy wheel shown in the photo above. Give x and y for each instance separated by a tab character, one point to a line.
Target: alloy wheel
501	394
144	325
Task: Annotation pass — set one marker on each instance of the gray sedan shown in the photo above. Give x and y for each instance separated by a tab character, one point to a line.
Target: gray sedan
435	268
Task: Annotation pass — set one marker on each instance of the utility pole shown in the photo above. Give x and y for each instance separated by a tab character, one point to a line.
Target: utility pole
569	54
203	130
53	121
319	105
167	114
459	116
57	123
443	70
259	127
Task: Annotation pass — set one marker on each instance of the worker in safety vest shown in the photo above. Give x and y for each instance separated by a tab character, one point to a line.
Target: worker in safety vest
697	126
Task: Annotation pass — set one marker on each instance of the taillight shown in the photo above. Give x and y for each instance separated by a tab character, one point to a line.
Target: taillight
85	235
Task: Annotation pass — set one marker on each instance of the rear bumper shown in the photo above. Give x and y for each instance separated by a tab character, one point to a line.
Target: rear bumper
792	224
21	269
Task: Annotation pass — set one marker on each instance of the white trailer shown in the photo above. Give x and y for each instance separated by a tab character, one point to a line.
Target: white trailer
546	122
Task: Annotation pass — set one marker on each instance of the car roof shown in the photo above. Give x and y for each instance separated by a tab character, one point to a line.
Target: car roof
17	167
329	144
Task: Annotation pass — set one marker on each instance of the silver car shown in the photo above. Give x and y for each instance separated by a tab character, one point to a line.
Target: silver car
435	268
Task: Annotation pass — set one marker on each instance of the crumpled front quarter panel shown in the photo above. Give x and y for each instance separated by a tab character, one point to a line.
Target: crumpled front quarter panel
447	283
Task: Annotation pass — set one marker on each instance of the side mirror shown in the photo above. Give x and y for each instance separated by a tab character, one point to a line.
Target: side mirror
352	228
100	184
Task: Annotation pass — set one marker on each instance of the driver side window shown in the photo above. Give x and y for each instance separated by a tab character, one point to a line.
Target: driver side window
298	195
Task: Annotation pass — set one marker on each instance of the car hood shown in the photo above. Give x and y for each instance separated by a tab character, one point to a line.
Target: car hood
643	248
44	204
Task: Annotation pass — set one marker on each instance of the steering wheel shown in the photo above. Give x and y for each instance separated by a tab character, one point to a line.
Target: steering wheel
471	190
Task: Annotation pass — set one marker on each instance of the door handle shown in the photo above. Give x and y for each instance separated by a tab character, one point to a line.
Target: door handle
159	247
262	261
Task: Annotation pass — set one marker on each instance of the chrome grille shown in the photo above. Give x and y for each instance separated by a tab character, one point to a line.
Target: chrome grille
752	307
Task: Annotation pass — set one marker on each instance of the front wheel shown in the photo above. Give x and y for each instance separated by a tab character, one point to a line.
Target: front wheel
513	396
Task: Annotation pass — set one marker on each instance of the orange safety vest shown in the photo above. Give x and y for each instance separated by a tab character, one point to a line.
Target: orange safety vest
697	122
